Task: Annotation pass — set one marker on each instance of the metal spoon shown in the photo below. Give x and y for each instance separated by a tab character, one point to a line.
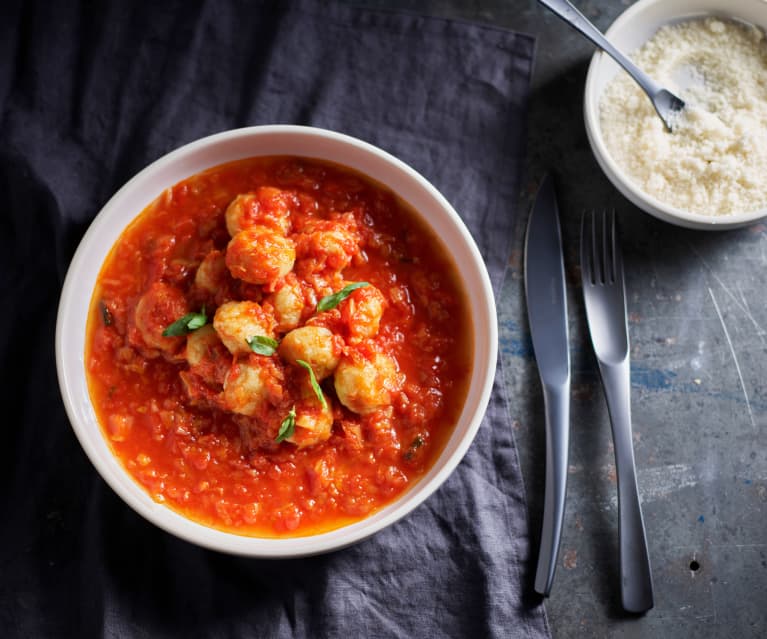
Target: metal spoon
666	103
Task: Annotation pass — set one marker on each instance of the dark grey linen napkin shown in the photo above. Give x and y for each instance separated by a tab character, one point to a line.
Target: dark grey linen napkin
90	94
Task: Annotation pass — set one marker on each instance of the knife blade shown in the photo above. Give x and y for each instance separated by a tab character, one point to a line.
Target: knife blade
547	312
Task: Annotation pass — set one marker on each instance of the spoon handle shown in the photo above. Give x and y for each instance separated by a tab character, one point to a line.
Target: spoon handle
577	20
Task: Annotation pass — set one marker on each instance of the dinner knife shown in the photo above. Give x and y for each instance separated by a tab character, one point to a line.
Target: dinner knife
547	312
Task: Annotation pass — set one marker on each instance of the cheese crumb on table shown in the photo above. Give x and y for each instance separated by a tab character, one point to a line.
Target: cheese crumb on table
715	160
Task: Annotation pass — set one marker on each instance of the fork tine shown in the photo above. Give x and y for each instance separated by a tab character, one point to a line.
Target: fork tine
587	271
612	244
596	255
607	248
589	253
601	259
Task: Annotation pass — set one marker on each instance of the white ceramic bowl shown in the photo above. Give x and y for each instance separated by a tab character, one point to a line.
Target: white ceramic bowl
132	198
631	30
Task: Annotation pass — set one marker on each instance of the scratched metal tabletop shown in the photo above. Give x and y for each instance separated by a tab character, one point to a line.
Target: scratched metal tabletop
697	323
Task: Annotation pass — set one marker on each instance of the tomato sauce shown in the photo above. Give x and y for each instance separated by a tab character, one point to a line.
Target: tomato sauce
202	420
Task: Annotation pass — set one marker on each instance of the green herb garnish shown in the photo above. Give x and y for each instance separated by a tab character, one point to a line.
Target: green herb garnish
262	345
288	426
331	301
313	380
106	314
190	322
414	446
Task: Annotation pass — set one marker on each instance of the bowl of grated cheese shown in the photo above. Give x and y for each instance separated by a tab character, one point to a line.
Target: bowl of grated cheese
710	172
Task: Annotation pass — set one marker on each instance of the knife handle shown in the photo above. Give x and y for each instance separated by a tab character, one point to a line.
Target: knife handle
557	406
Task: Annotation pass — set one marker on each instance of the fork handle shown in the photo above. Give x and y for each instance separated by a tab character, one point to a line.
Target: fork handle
636	575
577	20
557	408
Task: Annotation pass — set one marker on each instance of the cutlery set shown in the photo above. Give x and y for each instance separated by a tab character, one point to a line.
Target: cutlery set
605	302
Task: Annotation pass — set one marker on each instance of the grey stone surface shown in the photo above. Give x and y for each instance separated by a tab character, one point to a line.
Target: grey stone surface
698	328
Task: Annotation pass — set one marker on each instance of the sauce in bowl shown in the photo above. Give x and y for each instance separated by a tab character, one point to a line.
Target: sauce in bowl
278	347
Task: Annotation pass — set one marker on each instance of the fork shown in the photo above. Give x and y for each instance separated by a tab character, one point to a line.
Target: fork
666	104
605	299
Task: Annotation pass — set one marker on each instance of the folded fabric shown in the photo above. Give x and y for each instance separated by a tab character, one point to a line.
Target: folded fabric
90	94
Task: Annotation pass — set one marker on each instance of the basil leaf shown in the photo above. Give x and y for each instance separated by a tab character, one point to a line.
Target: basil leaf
190	322
414	445
288	426
106	314
331	301
262	345
313	380
198	320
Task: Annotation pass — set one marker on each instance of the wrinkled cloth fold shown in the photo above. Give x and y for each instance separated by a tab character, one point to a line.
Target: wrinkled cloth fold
92	93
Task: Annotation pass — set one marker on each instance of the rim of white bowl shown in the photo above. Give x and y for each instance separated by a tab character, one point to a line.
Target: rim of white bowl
73	385
643	200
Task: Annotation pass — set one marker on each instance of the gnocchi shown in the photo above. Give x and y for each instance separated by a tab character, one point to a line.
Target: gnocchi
258	255
366	383
268	206
252	386
314	422
315	345
159	307
211	274
237	322
288	304
362	313
327	245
